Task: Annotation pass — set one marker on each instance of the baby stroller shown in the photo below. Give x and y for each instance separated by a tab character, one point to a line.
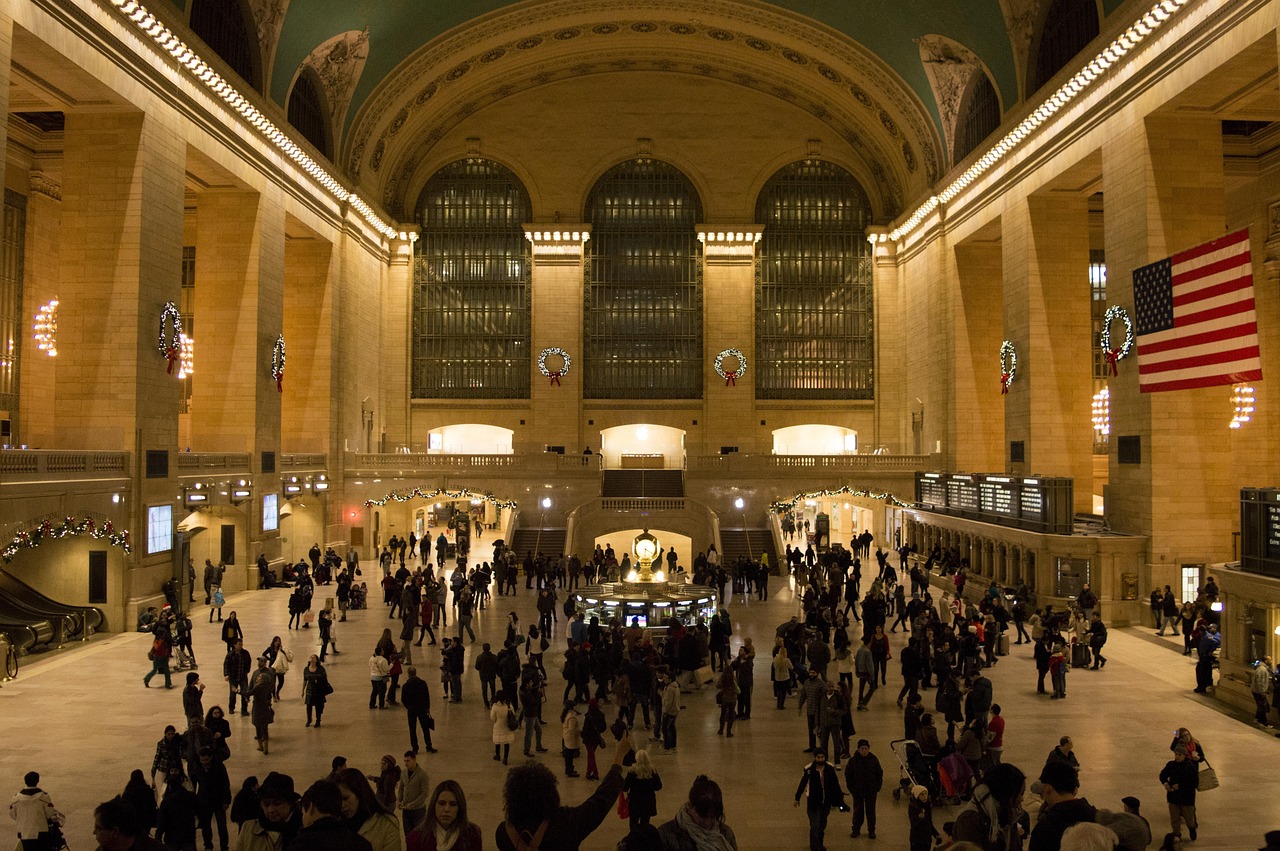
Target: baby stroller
917	769
359	598
956	775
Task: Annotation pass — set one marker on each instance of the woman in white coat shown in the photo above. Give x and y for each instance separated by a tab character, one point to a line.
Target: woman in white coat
501	713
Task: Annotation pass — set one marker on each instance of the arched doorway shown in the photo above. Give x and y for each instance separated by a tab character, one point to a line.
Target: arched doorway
815	439
470	439
642	446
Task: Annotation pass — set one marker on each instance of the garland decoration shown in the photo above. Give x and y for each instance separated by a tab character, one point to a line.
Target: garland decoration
1116	355
556	374
277	363
171	348
460	493
71	527
731	376
785	505
1008	366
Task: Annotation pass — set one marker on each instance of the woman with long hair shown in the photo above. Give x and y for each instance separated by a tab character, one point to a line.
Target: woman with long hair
781	672
642	785
278	660
385	782
364	813
503	735
216	722
446	827
315	688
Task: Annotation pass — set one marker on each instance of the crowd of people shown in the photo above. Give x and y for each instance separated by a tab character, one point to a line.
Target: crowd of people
623	682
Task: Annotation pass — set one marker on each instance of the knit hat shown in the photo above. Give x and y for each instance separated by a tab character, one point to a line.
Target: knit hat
920	792
1180	750
863	742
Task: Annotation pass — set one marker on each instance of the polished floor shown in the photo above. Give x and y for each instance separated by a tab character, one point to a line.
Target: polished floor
82	718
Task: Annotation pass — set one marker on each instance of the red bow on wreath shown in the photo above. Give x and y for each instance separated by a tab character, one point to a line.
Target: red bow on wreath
730	378
1113	355
1004	383
171	354
555	377
280	382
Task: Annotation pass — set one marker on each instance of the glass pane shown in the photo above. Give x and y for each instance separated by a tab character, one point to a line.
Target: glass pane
643	308
814	299
471	285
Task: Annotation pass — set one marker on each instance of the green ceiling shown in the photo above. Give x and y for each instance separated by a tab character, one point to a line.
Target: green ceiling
886	27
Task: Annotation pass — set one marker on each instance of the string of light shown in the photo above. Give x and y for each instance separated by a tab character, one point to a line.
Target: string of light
168	41
1141	30
785	505
448	495
71	527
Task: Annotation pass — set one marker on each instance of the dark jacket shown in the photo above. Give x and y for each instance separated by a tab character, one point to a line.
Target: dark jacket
176	818
675	838
420	840
643	794
1055	820
486	665
328	834
1184	777
863	775
415	695
823	788
568	827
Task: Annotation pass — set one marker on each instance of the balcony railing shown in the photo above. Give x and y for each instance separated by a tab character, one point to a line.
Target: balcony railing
229	461
642	504
806	464
33	464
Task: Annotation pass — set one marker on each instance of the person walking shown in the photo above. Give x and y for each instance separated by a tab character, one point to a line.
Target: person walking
1097	639
670	709
235	670
531	697
864	667
39	822
864	777
411	793
1260	684
315	688
262	688
642	785
1209	644
379	670
1181	778
161	650
822	785
502	715
570	737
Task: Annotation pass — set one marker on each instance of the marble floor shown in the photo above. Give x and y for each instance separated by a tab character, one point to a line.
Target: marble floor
82	718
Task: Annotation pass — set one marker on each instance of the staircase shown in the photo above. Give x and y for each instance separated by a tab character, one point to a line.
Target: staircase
749	543
549	542
642	483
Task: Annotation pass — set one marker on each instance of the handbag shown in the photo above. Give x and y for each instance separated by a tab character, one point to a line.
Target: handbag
431	723
1208	778
624	806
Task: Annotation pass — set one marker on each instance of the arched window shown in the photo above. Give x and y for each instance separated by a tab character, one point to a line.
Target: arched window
1068	27
225	25
814	309
643	311
471	285
979	115
307	113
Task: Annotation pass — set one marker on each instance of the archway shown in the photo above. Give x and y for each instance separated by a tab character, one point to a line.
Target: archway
642	446
815	439
622	540
470	439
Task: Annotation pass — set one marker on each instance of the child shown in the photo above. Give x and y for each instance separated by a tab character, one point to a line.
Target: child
571	737
1058	666
444	665
218	601
920	812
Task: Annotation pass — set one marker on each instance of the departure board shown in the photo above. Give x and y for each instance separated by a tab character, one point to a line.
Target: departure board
1260	530
1040	504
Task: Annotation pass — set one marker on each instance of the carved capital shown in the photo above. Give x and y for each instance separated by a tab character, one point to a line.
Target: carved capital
557	245
43	184
729	244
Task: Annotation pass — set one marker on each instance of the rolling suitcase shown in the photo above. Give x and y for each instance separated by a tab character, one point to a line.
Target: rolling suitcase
1002	644
1079	656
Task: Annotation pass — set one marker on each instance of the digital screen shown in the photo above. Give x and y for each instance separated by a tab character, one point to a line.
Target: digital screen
998	498
270	512
932	491
159	528
1273	531
1043	504
1033	503
962	495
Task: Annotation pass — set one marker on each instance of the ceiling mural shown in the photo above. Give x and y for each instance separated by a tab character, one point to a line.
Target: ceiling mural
269	16
950	67
339	63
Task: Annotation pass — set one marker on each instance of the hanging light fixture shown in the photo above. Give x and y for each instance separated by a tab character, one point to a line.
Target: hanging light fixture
1242	397
1102	413
186	356
46	328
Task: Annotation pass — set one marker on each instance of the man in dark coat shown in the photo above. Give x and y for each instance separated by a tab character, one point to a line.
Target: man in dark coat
322	825
235	670
822	785
213	796
1061	807
416	698
864	777
1181	778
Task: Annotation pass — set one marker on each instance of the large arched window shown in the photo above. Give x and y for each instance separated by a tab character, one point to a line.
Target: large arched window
643	311
814	310
226	26
1069	25
471	285
979	115
307	113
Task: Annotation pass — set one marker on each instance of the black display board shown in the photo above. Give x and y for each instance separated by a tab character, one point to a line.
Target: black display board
1024	502
1260	530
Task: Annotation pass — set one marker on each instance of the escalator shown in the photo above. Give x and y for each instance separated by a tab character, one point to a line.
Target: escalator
31	619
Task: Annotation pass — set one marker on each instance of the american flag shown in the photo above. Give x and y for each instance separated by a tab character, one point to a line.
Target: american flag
1197	326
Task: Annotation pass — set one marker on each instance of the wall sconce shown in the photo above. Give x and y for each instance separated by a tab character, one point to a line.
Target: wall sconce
46	328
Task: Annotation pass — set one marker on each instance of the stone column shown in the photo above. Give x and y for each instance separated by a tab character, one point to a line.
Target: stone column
979	406
398	318
894	404
1045	245
38	406
1164	188
306	407
557	323
239	313
121	260
728	303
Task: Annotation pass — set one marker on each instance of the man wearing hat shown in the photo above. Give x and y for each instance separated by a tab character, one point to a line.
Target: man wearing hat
281	819
1059	783
1181	777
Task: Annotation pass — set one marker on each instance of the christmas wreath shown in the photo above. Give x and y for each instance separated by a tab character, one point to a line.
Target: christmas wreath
556	374
731	376
1114	356
277	363
170	346
1008	365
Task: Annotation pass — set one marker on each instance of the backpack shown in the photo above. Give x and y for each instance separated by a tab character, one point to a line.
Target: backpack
513	723
533	843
